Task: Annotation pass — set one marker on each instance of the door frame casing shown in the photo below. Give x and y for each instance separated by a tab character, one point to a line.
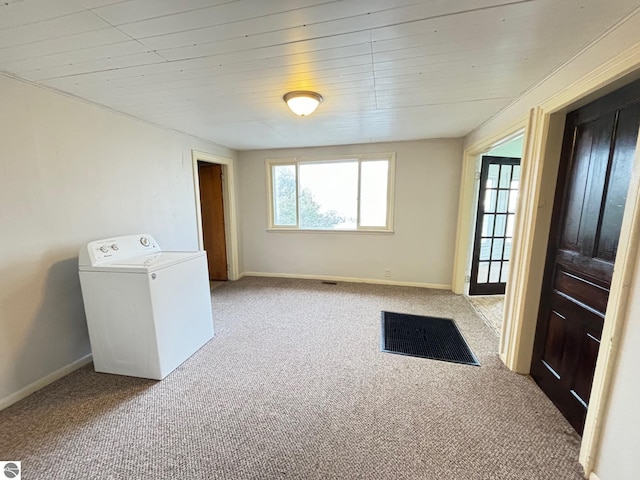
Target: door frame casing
543	133
229	197
468	202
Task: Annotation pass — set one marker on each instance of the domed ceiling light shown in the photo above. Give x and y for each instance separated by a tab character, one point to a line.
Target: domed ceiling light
303	103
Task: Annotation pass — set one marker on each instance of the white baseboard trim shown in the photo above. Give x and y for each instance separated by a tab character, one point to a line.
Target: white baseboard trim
44	381
330	278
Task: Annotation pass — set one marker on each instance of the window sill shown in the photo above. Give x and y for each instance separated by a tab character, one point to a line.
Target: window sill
300	230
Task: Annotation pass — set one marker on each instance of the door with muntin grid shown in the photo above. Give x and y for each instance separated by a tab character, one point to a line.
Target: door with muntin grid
499	183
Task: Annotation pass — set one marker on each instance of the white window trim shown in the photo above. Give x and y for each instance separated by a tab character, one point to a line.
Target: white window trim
296	161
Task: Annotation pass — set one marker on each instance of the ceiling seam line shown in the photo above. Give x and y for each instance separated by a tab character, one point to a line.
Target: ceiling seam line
361	30
373	70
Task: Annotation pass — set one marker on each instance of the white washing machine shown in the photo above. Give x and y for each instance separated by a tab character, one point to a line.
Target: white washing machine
147	310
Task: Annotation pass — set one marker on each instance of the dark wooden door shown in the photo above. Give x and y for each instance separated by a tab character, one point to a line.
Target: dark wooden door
212	208
595	168
499	182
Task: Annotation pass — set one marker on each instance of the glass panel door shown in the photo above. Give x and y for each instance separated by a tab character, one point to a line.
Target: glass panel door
499	183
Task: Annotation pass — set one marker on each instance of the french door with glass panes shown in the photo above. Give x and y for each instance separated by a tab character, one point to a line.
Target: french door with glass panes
499	181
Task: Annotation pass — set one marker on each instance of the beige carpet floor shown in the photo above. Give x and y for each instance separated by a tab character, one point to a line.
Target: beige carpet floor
294	386
490	308
213	284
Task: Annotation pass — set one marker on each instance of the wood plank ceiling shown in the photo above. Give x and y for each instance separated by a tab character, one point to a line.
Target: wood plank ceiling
217	69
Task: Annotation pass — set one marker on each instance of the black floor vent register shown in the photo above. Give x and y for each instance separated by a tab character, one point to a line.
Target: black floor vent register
425	337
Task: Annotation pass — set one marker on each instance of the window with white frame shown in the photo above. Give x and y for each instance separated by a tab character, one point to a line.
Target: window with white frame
351	192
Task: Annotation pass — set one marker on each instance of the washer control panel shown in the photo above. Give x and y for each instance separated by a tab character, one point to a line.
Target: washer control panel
117	248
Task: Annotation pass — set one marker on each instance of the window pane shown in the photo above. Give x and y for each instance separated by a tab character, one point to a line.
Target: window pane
496	251
284	194
507	249
513	200
504	276
487	225
505	176
492	176
373	193
515	180
494	272
503	201
483	272
328	195
485	248
490	201
510	221
500	225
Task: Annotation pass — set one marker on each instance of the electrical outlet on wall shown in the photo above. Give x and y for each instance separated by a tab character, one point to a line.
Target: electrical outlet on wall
387	272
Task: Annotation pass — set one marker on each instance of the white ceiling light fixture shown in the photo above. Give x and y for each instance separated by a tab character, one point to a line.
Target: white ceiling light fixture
303	103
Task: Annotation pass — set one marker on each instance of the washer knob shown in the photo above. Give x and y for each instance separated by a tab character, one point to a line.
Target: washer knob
144	241
104	249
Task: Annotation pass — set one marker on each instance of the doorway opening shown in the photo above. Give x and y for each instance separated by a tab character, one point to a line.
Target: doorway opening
211	179
544	127
215	214
497	184
596	164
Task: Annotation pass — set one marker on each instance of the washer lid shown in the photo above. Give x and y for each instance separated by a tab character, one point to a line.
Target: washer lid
144	263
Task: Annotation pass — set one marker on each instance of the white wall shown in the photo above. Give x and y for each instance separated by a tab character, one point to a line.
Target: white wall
512	148
71	172
419	252
618	458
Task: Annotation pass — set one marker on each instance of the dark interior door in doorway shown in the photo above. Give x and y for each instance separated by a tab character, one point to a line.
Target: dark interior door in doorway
212	209
593	179
499	182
